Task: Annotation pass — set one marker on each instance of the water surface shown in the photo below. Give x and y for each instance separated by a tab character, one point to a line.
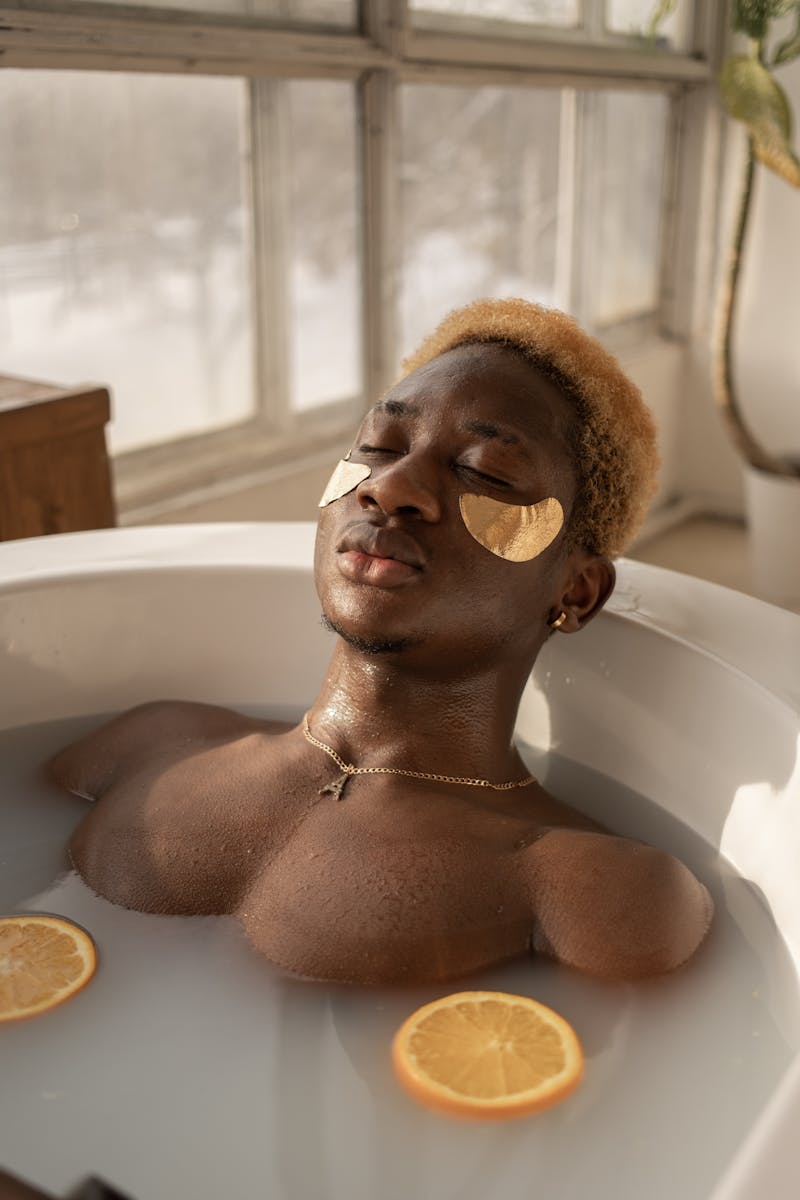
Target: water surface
190	1067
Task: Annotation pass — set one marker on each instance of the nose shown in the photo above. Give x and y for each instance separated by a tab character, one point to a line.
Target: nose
401	488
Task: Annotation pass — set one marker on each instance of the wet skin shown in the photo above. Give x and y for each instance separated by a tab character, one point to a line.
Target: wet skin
203	810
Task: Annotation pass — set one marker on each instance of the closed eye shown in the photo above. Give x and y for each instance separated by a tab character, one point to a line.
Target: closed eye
364	449
492	479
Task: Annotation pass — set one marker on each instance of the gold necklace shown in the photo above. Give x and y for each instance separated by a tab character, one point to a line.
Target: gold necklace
337	786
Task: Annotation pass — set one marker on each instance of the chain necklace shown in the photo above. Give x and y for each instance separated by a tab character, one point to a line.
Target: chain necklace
337	786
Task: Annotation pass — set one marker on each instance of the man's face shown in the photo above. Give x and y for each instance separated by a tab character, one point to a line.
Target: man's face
395	563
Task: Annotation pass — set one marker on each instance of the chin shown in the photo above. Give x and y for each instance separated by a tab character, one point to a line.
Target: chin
370	613
369	641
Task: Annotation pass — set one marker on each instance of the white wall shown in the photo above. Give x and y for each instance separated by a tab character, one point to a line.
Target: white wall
659	370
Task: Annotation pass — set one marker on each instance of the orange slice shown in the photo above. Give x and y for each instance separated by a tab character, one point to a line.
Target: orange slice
488	1055
43	961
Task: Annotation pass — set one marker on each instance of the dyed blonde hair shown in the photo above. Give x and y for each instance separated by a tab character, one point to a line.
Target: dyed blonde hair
616	459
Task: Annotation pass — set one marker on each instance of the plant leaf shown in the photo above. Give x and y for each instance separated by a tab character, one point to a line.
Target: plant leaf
751	95
753	16
774	152
790	48
750	17
787	50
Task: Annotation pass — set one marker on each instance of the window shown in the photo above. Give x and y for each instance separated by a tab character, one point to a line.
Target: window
479	200
125	245
323	12
488	209
595	20
635	18
538	12
127	237
624	171
324	284
240	214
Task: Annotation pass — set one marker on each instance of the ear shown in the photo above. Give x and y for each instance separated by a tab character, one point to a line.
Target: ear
590	582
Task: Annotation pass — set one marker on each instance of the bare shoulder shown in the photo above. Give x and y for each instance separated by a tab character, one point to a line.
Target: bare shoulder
612	906
89	764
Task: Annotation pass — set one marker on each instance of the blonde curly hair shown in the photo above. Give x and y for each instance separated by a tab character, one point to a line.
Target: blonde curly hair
616	458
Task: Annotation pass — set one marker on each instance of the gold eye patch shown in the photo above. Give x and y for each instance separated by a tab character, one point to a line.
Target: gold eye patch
345	477
517	532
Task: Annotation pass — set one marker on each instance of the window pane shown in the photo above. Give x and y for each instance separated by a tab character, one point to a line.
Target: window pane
479	187
536	12
635	17
324	12
322	213
625	190
124	244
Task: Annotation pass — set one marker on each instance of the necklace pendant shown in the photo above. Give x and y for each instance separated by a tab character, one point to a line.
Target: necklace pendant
336	786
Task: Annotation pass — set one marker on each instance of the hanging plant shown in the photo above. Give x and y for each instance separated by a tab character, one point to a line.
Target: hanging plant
752	95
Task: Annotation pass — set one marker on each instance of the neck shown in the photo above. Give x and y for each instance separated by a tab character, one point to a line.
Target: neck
377	711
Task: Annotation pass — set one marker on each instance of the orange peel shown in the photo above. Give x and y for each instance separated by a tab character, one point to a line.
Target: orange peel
487	1055
44	961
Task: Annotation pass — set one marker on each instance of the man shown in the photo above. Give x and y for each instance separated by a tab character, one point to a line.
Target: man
395	834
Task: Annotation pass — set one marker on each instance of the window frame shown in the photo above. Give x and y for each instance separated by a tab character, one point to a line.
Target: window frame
390	47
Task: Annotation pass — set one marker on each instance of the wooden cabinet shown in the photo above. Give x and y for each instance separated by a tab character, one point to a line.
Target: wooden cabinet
55	475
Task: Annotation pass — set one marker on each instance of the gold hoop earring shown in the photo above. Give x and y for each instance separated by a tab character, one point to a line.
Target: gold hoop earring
558	621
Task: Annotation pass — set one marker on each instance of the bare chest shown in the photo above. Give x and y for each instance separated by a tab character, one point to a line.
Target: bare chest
376	886
359	893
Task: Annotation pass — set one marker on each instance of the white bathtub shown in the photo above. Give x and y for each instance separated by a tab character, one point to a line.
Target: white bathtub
684	692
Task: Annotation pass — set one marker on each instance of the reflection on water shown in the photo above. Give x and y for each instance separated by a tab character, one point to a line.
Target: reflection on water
191	1067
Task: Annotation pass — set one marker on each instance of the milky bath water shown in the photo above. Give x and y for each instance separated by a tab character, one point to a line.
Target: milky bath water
190	1067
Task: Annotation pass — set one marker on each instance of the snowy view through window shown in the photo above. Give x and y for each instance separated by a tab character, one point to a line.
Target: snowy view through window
128	253
125	245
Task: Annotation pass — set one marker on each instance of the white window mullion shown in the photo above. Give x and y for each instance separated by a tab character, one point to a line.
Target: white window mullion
593	19
582	169
711	33
567	168
380	215
689	266
269	241
387	24
669	270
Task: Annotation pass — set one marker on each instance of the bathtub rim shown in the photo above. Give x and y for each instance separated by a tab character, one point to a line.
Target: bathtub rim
752	637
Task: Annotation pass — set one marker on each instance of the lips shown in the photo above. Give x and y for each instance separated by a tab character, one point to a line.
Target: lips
383	543
378	556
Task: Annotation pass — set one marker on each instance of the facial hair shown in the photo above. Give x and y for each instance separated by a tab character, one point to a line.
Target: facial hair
368	645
